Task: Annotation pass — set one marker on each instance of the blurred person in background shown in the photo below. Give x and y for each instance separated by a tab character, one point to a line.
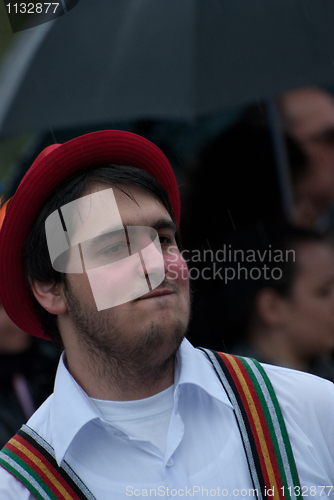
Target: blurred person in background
308	116
233	185
284	316
27	371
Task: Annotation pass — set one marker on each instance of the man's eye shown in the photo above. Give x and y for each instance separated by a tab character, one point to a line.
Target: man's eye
164	240
113	249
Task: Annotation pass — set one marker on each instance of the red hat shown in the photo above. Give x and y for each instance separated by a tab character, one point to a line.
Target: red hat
55	164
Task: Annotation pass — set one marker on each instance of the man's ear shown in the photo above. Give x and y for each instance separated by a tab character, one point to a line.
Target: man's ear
50	296
270	306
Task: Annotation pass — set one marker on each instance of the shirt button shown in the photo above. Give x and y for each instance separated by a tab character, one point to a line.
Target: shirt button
170	462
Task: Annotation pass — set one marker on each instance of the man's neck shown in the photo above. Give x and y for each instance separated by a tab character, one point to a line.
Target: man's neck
117	382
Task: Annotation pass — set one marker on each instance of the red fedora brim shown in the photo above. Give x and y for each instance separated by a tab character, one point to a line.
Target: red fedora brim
55	164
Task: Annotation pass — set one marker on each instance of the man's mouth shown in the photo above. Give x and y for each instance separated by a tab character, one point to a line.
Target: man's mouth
158	292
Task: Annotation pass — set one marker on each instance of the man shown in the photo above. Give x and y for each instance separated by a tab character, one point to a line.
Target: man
308	115
136	410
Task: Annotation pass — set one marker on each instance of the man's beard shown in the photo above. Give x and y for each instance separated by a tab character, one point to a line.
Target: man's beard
113	357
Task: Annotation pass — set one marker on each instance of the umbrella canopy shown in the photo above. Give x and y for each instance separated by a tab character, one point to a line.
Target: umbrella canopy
129	59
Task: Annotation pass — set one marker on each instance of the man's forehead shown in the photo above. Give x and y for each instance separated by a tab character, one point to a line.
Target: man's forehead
90	215
103	209
125	194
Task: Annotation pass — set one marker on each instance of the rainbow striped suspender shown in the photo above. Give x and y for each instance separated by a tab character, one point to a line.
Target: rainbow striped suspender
262	428
32	460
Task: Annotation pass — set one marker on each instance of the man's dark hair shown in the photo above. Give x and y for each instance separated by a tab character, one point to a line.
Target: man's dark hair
37	261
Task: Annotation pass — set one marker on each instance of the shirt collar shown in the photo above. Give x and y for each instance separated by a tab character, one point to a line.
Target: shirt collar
194	367
72	409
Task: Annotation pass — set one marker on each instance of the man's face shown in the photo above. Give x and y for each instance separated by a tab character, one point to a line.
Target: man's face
157	319
310	114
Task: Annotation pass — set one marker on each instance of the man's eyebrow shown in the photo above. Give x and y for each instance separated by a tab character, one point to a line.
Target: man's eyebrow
164	223
105	235
159	224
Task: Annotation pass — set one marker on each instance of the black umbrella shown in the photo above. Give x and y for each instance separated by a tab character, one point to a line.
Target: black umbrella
171	59
129	59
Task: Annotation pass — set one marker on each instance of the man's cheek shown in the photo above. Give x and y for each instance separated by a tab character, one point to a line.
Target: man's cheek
176	268
118	283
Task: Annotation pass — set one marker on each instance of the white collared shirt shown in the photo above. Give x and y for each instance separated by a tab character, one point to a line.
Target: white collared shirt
204	454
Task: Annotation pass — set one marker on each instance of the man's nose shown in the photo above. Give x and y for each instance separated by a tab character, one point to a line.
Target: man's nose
153	264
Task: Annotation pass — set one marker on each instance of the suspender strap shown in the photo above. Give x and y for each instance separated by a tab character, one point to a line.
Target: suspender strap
29	458
261	425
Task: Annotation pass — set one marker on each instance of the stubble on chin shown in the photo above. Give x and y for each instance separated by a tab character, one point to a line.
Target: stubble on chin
114	358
